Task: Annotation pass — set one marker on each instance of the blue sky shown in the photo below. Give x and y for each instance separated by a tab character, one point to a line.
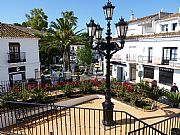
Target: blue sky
12	11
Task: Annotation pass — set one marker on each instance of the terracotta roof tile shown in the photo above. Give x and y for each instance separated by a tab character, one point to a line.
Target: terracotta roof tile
7	30
29	30
156	35
166	34
162	14
171	16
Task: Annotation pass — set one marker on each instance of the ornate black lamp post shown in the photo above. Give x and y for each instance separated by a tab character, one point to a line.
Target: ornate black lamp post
107	48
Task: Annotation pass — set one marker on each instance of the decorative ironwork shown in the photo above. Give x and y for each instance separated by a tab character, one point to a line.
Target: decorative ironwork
107	48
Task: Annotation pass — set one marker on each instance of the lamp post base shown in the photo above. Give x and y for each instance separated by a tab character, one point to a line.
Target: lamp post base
108	113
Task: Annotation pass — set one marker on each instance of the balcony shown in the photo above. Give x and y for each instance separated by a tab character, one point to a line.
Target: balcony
16	57
145	59
131	57
153	60
174	62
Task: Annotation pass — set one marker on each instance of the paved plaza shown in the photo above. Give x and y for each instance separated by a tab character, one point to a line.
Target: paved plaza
73	121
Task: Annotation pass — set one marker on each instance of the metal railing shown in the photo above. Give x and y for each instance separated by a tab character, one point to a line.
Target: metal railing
16	57
168	124
49	119
131	57
145	59
174	63
154	60
5	86
164	127
148	130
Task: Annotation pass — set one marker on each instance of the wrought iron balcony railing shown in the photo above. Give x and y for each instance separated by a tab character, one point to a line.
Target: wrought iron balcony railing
145	59
16	57
131	57
170	61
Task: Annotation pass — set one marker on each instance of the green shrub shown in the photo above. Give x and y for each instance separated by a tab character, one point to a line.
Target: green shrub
86	87
102	88
67	90
174	98
124	95
24	95
10	96
39	96
147	107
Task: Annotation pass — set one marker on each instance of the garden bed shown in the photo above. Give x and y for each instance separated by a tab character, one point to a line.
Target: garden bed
139	95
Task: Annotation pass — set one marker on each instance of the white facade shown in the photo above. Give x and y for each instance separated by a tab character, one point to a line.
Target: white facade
153	49
19	55
30	47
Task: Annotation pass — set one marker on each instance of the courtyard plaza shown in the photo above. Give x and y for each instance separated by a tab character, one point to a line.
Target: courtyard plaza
72	121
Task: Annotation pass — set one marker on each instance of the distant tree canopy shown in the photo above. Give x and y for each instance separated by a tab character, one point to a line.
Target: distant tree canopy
37	19
59	36
84	56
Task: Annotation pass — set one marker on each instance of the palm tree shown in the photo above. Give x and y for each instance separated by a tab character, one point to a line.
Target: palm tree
48	49
64	31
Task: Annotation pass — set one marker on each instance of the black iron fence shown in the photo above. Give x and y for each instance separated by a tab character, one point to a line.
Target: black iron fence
39	119
148	130
18	86
169	125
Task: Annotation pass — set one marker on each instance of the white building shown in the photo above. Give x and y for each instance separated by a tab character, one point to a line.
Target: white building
151	51
19	54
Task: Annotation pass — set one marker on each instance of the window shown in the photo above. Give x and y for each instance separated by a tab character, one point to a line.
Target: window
169	53
14	47
165	73
149	72
174	26
164	27
174	54
150	50
14	51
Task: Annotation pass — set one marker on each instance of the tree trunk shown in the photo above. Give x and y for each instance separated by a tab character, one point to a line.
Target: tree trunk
66	61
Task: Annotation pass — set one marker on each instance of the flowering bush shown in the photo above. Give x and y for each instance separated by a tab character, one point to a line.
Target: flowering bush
67	89
86	87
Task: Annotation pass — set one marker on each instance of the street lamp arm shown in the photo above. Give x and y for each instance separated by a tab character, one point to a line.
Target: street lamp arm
114	52
102	52
115	47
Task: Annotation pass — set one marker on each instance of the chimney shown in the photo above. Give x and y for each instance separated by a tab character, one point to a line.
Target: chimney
160	13
132	15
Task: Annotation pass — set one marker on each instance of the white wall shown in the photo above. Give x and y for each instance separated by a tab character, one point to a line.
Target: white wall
169	22
134	29
176	77
3	73
141	48
29	46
